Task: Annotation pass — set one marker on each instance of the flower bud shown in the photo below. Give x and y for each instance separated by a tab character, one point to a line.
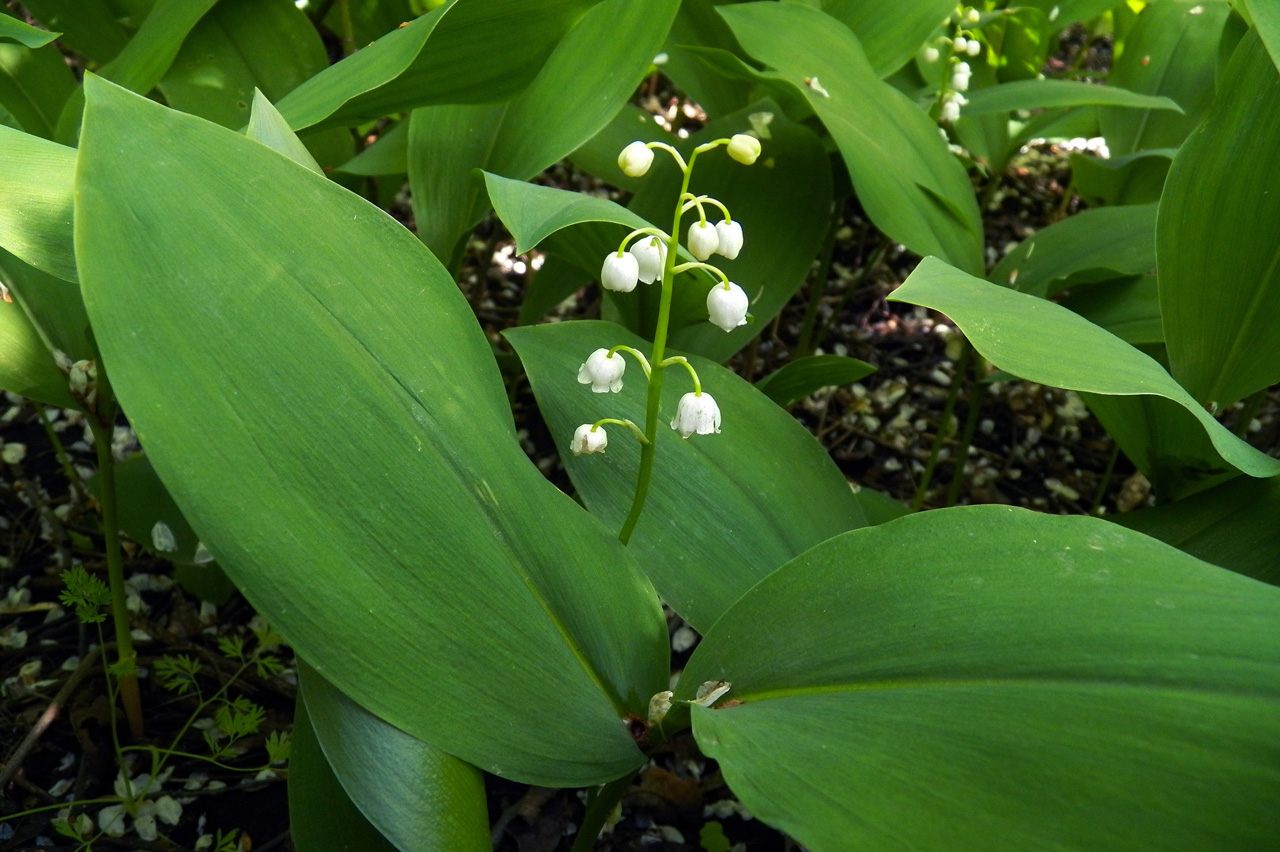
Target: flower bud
620	272
588	439
635	159
703	240
744	148
951	106
651	255
960	44
974	47
960	77
729	239
696	413
931	55
972	16
603	371
727	308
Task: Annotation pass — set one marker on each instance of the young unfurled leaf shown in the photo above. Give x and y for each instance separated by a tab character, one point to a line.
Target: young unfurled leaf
278	746
177	673
231	647
86	593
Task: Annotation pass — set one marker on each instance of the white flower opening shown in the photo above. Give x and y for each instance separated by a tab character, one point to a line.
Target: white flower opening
620	272
703	240
603	371
727	306
696	413
588	439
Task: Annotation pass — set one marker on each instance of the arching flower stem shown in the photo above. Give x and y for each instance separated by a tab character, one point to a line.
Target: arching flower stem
638	355
694	264
684	362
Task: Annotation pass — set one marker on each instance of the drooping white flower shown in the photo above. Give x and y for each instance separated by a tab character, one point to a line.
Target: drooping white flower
703	240
951	106
162	538
960	77
727	308
960	44
603	371
743	148
931	55
972	16
651	255
974	47
696	413
620	272
729	239
588	439
635	159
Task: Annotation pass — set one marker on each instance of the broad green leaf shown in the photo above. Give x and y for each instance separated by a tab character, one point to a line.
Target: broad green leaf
389	155
11	29
88	27
144	60
699	25
1219	239
587	78
987	672
723	510
241	45
1046	343
479	52
1266	22
26	366
35	187
1093	245
1130	179
1052	94
783	203
889	31
532	213
322	817
418	797
1172	51
557	280
1021	41
879	507
1129	308
369	21
267	125
34	85
55	310
909	183
803	376
1235	525
339	434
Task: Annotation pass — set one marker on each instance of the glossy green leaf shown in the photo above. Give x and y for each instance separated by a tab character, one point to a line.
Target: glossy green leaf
783	203
879	507
267	125
56	315
909	183
11	29
1093	245
803	376
389	155
986	672
322	817
1266	22
26	366
1172	51
589	76
478	52
722	511
339	434
144	60
34	85
557	280
242	45
532	213
1235	525
35	186
1130	179
1129	308
1046	343
1220	315
698	25
88	27
1055	94
889	31
418	797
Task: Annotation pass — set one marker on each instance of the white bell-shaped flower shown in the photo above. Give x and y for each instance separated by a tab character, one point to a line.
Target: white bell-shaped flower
696	413
703	240
729	239
960	44
651	254
931	55
635	159
588	439
972	16
727	308
960	77
951	106
620	272
603	371
743	148
974	47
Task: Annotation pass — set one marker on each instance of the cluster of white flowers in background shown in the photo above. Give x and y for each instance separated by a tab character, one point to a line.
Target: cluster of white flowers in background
963	43
642	257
